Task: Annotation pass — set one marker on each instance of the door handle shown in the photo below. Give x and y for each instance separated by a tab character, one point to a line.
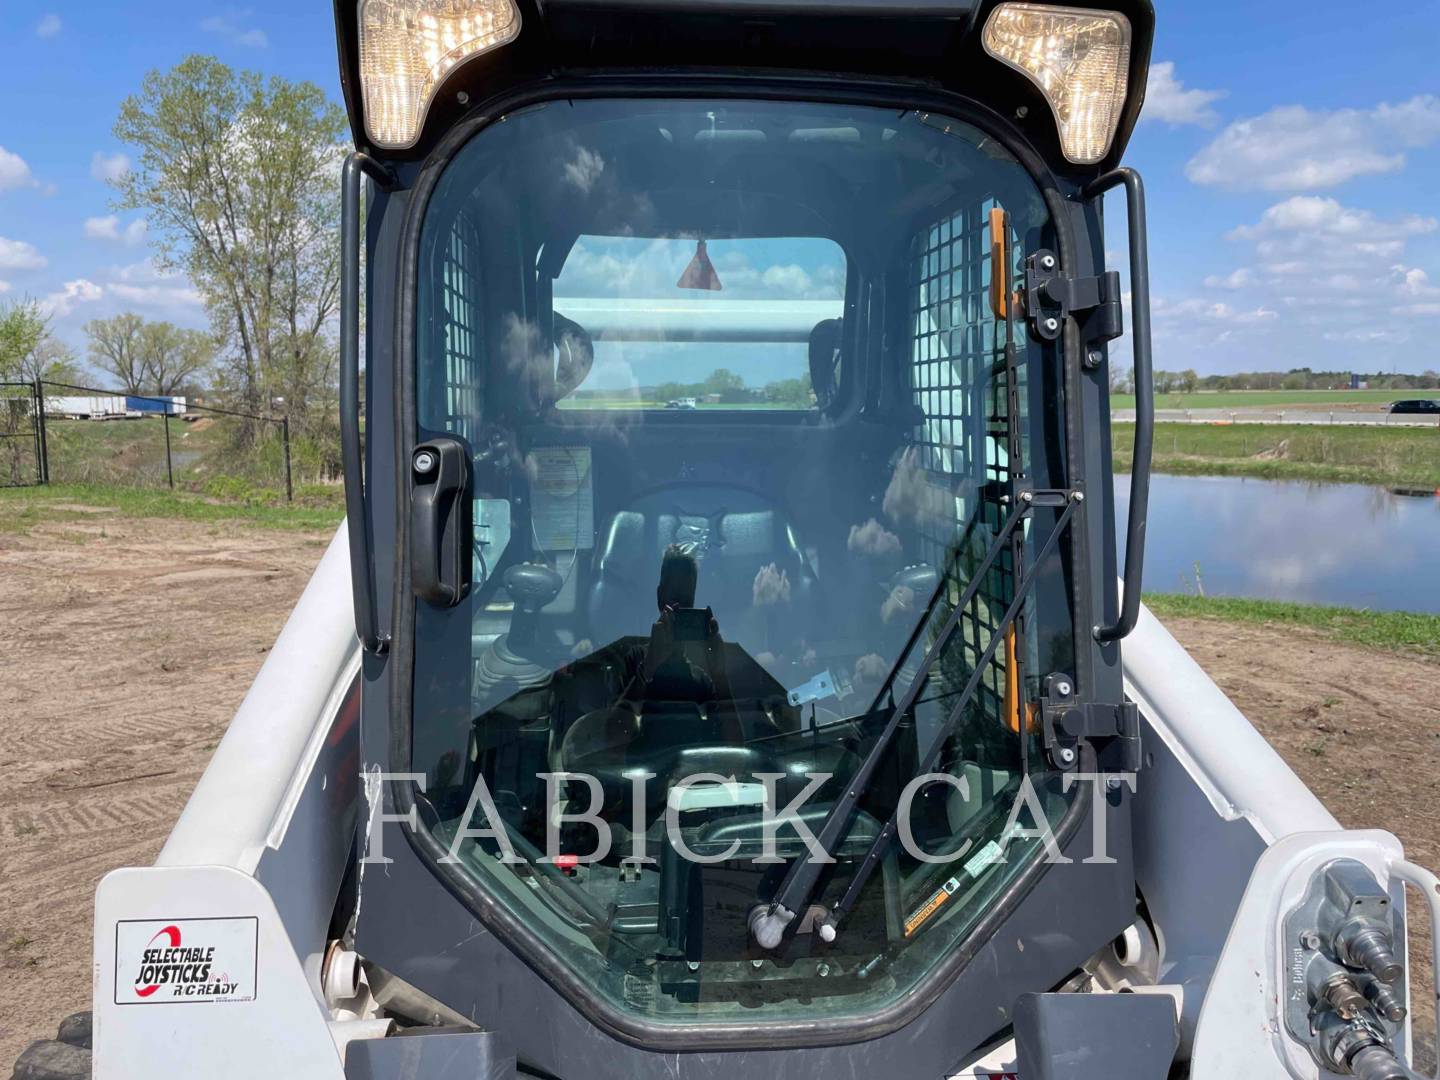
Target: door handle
441	521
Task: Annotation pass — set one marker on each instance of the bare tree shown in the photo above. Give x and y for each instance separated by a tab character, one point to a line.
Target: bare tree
171	356
52	360
115	348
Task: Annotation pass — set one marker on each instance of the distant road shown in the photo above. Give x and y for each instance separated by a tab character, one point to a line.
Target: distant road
1272	400
1307	415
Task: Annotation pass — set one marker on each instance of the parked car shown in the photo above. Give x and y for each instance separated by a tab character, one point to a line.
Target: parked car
1423	406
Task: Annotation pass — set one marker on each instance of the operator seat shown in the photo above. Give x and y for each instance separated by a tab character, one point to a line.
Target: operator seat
734	535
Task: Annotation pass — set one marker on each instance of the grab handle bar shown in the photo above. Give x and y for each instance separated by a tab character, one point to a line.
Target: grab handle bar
1428	885
357	520
1144	395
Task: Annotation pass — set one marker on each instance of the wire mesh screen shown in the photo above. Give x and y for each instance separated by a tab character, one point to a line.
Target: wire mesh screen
968	449
460	327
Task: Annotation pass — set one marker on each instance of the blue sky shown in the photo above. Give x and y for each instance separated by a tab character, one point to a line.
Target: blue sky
1292	155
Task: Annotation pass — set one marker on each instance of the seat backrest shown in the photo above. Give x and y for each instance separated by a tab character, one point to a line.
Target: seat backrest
735	536
824	352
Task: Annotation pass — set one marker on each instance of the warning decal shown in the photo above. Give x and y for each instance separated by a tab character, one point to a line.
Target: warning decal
562	505
184	960
937	900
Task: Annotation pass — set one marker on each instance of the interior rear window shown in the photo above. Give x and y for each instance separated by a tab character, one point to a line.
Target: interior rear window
685	322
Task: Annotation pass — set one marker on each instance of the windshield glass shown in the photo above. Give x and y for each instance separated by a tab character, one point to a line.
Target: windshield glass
747	399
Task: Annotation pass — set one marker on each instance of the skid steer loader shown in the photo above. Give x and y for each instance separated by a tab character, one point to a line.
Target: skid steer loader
727	667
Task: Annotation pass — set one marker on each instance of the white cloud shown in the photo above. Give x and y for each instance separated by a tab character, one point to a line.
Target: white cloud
1338	274
584	170
231	25
1195	307
108	167
18	255
145	285
650	268
1306	233
790	280
1242	278
1167	99
4	287
48	26
156	295
14	172
106	291
70	295
108	228
1293	148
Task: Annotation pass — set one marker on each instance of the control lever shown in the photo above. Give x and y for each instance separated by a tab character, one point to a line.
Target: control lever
441	526
531	586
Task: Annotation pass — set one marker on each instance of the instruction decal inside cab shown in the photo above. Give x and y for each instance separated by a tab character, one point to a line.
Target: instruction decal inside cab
174	961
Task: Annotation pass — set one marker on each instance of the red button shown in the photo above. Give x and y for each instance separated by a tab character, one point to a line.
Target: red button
567	863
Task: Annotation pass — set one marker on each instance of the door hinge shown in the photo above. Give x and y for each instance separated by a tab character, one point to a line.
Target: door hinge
1113	730
1050	296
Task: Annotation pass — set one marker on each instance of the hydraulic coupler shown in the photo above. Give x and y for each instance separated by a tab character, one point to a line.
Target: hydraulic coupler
1346	997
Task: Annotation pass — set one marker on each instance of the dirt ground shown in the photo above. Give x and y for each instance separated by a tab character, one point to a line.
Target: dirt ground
129	644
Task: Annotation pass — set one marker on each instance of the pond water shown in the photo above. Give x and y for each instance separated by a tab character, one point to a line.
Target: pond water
1346	544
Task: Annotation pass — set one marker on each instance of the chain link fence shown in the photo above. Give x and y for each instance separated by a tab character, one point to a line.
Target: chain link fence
20	439
66	433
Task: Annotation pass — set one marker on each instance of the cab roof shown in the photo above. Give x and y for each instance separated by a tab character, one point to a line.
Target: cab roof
932	44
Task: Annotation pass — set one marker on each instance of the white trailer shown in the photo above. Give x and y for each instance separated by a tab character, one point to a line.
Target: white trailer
89	406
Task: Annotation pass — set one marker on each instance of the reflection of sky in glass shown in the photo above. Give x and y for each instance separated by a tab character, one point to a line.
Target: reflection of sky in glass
642	268
1322	543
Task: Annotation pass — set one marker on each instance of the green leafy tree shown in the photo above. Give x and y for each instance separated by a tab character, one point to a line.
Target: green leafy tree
24	327
722	381
795	393
236	176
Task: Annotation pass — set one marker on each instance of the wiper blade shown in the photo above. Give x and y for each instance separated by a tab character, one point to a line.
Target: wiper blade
768	922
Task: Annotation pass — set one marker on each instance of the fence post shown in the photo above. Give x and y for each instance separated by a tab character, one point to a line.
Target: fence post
169	466
285	436
42	443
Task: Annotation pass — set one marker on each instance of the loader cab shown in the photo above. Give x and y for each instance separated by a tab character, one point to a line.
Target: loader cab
732	529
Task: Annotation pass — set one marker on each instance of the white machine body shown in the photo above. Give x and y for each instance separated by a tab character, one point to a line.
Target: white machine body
230	927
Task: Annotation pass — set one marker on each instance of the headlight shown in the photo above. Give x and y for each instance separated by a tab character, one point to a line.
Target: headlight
407	47
1080	60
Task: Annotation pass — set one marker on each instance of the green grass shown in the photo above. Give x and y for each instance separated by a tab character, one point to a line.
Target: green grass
1398	457
1396	630
1272	399
23	508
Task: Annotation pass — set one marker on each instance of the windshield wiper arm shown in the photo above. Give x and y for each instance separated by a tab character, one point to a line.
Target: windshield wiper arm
768	922
886	836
